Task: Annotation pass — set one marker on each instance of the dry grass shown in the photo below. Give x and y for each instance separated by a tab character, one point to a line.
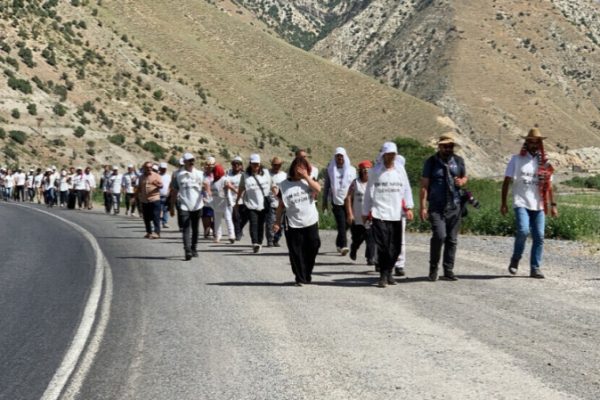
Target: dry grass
308	101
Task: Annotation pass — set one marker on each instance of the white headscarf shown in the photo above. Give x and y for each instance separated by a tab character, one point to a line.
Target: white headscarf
331	168
388	147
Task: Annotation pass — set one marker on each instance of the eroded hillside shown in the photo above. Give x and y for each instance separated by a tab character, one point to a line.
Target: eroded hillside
119	81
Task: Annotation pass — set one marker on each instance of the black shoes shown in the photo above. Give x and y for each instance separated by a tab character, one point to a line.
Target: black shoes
353	254
194	253
536	273
433	275
399	271
390	279
513	267
188	256
448	276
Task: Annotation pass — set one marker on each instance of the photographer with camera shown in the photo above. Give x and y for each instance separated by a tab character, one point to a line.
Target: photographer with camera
443	175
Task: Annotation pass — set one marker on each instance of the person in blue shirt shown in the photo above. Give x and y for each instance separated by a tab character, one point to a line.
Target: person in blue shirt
443	175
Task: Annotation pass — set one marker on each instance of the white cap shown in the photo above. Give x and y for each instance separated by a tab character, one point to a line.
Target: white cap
129	165
115	167
211	160
389	147
48	169
254	158
181	161
188	156
163	165
63	172
340	150
53	168
154	167
79	167
237	158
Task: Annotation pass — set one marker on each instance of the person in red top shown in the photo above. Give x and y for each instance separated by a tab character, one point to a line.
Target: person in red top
149	195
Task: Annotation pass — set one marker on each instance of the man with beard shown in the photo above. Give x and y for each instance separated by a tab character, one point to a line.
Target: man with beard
443	175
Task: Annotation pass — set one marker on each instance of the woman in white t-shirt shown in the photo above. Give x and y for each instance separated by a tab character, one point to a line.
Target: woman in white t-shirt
302	219
9	185
220	203
255	186
63	188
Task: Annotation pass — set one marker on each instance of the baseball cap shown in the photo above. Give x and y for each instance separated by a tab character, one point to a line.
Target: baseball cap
181	161
154	167
115	167
237	159
254	158
188	157
163	165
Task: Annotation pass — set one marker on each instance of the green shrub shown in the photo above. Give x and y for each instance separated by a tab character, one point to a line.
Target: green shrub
2	133
118	139
15	113
157	150
32	109
18	136
26	56
59	110
79	131
13	62
58	142
590	182
158	95
21	85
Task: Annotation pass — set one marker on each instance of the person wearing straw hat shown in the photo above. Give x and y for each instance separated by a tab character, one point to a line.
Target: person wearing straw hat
444	174
388	188
339	175
530	174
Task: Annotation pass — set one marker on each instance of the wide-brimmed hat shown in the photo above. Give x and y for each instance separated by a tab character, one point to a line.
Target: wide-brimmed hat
447	138
534	134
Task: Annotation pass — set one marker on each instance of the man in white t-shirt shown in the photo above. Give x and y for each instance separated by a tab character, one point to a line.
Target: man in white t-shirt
115	186
164	193
339	176
239	213
277	176
90	181
37	184
531	176
388	188
129	184
20	178
354	204
188	189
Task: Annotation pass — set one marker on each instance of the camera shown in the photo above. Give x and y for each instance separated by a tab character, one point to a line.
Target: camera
467	197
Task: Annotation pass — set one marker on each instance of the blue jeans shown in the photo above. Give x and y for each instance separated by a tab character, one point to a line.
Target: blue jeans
534	221
164	206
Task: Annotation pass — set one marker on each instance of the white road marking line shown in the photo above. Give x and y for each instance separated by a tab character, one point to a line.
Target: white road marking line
78	353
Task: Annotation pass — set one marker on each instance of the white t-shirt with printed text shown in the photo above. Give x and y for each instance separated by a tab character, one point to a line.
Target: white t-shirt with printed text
300	206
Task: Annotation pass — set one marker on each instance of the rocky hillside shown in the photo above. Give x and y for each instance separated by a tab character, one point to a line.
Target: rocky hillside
496	68
94	82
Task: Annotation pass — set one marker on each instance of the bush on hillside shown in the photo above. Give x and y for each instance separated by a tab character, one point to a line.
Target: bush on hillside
59	110
2	133
21	85
118	139
157	150
79	131
15	113
32	109
18	136
26	56
589	182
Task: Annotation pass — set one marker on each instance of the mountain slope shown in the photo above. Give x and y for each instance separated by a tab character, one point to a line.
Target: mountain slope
147	79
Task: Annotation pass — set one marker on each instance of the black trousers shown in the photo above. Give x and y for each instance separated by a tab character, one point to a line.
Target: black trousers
240	219
388	243
108	202
257	225
444	227
190	222
129	202
303	245
20	193
360	234
339	213
80	198
151	212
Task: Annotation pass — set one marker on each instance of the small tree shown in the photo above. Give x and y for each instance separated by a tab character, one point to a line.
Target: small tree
79	132
32	109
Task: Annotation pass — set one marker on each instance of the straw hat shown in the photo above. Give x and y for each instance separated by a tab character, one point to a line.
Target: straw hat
534	134
447	138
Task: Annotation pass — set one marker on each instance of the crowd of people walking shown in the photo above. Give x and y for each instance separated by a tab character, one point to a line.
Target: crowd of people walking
373	202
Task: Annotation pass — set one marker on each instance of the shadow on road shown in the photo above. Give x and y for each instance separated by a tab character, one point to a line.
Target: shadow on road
251	284
151	258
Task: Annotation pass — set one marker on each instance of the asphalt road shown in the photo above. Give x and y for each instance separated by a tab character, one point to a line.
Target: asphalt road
230	325
45	273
